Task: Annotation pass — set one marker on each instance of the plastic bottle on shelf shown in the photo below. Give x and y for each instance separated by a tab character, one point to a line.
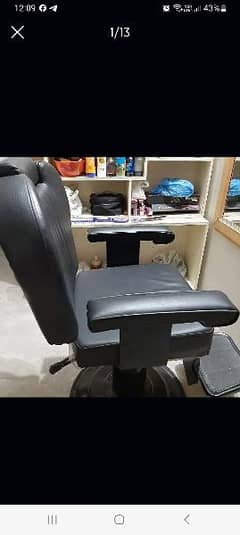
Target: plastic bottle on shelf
111	167
101	166
120	163
134	207
138	166
148	210
90	167
130	166
141	207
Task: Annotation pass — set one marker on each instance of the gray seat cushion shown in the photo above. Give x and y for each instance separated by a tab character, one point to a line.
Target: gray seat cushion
188	340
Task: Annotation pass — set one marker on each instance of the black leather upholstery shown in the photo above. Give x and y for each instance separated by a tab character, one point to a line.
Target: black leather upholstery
123	243
157	234
145	321
13	166
188	340
36	236
211	308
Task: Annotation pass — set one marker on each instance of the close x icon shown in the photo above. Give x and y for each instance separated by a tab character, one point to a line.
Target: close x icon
17	32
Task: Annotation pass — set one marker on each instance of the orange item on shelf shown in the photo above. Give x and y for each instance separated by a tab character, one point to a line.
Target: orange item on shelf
70	168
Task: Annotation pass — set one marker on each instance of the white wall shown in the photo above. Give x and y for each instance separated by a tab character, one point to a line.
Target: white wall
221	266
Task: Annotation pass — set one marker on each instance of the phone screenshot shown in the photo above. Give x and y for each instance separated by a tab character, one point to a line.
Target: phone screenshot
119	275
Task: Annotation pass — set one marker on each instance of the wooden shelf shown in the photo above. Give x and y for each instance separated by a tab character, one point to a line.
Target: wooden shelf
180	159
232	216
173	219
99	224
190	229
103	179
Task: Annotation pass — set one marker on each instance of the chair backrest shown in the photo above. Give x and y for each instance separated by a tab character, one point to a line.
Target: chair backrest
36	237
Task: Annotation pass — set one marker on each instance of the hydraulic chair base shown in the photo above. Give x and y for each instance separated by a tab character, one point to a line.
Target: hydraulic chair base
105	381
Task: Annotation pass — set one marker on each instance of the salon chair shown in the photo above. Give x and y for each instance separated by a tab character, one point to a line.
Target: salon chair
124	323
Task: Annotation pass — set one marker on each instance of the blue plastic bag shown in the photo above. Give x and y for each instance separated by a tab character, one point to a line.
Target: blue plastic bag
234	187
175	187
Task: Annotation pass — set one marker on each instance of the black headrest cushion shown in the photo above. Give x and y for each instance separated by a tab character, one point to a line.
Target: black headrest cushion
19	165
7	168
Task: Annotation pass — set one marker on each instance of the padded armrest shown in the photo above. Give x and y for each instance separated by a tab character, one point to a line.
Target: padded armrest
157	234
211	308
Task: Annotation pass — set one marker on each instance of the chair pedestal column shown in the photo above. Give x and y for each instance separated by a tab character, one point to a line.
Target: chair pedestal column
123	251
108	381
128	383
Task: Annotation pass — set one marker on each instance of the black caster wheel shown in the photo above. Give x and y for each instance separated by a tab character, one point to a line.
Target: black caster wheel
93	382
98	382
165	383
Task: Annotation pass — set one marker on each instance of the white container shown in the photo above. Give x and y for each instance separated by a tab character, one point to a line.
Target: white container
101	166
138	166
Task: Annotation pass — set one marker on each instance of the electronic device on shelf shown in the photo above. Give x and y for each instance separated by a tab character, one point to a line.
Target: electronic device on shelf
169	204
233	203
